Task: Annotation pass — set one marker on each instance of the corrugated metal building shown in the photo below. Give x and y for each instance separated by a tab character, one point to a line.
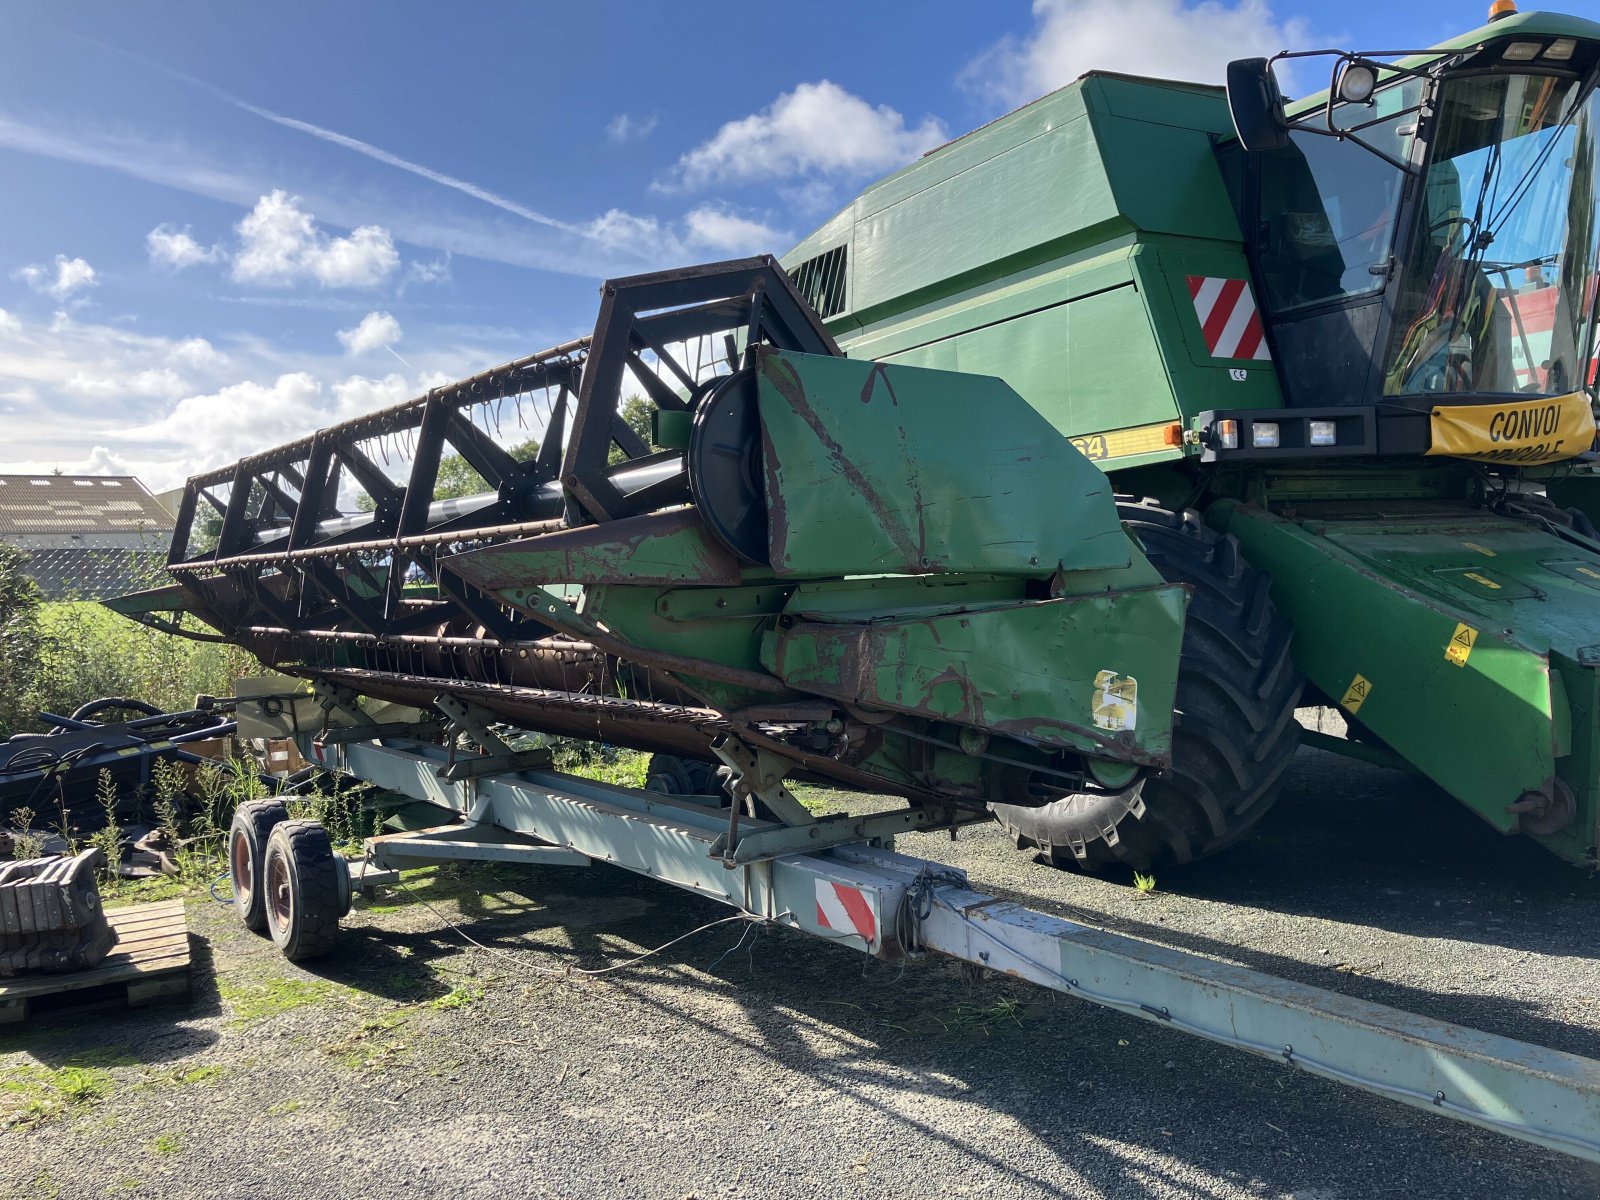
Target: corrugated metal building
87	536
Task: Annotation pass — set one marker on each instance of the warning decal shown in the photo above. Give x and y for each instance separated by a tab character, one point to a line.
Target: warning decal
1356	694
846	909
1461	643
1228	318
1116	701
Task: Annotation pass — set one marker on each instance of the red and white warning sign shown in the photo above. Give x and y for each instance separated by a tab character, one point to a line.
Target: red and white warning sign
1228	318
845	909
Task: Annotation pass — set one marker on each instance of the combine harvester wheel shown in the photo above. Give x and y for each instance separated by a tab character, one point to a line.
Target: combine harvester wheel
1233	734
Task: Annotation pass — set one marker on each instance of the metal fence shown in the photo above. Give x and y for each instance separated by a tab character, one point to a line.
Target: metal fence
80	574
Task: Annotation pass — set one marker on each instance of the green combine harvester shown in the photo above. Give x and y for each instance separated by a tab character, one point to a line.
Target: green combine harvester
1044	481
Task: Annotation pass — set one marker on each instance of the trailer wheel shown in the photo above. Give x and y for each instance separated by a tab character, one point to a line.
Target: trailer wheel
307	889
253	822
674	776
1234	731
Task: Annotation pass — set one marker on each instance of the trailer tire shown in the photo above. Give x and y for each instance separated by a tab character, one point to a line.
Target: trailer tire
674	776
1234	731
307	889
253	822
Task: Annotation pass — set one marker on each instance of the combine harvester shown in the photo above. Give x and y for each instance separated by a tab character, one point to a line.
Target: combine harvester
1043	482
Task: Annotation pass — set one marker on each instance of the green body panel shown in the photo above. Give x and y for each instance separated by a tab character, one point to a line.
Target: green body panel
1385	598
1052	248
874	469
1026	670
659	548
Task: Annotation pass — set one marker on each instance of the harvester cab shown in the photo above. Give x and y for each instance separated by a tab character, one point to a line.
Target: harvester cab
1422	236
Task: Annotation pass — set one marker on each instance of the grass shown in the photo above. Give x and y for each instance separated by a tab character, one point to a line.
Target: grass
460	996
32	1095
253	1002
165	1143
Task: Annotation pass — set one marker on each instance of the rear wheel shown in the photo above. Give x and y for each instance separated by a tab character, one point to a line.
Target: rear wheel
306	888
1233	725
253	822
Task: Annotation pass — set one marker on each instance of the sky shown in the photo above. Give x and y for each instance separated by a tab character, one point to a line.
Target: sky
224	226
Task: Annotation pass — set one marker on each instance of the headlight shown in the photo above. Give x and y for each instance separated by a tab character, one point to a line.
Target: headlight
1357	82
1264	434
1324	433
1228	434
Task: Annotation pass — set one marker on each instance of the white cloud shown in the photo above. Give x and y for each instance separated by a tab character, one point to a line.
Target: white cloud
627	128
197	352
376	331
238	419
537	242
176	248
1169	39
628	233
719	230
173	406
817	129
417	271
60	279
281	244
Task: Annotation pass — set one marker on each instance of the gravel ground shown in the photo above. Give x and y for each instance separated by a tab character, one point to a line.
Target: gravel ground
409	1065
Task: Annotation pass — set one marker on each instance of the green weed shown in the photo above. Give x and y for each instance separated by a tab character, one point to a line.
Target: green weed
252	1002
461	996
33	1095
165	1143
1144	883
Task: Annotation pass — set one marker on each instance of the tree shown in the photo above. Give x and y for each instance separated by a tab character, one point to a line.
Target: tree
456	477
19	616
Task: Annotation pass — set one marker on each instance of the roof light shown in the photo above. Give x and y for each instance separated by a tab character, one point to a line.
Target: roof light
1502	8
1562	49
1357	82
1521	51
1264	434
1324	433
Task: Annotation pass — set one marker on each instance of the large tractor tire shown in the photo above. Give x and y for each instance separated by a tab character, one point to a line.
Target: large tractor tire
673	775
1233	732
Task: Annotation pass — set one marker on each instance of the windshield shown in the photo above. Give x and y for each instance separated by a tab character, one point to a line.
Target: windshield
1498	284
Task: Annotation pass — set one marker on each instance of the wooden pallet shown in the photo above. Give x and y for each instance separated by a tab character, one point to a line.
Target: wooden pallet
149	962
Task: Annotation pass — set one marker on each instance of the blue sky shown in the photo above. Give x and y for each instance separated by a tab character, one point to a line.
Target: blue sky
224	225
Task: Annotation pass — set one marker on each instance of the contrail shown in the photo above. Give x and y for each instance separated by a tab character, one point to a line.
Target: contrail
377	153
394	160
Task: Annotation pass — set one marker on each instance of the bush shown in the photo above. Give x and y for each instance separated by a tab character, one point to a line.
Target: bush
70	652
19	616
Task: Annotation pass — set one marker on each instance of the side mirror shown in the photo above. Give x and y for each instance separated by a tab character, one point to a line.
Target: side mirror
1256	105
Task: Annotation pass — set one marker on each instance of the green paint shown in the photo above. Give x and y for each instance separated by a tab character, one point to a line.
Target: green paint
1384	599
874	469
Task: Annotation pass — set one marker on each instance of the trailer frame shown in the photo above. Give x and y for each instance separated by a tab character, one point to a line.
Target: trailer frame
860	893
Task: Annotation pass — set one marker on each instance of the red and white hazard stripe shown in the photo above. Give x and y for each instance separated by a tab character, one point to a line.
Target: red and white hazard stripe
845	909
1228	318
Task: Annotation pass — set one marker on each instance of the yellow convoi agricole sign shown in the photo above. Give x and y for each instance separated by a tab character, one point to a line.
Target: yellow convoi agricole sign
1525	432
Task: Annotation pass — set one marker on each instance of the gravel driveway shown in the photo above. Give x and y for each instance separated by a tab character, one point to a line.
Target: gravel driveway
781	1066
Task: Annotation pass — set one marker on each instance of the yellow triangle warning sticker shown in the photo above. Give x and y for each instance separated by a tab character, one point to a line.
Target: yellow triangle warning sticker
1356	694
1461	644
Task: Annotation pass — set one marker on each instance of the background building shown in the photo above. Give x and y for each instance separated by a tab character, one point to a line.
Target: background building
86	536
